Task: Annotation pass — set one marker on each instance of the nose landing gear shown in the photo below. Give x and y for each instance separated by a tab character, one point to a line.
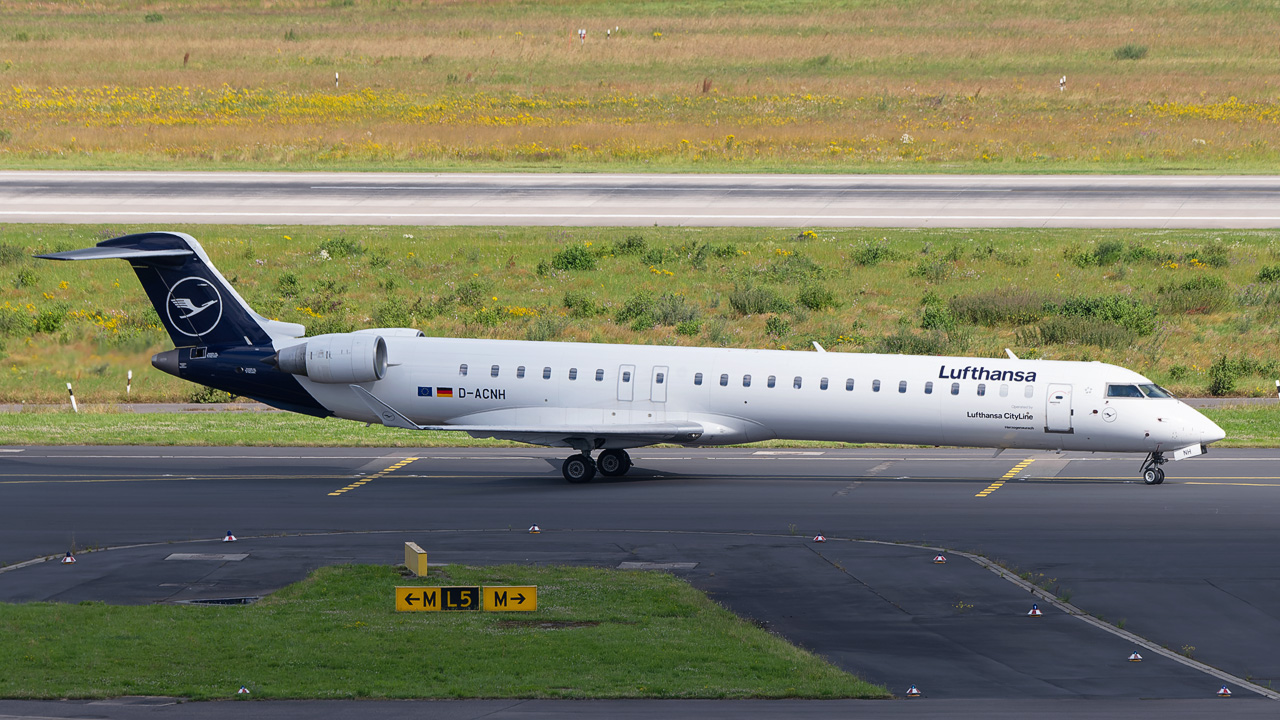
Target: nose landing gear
1152	474
581	468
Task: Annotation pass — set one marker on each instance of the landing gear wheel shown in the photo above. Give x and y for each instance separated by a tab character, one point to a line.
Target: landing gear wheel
1152	473
613	463
578	469
1150	476
1159	475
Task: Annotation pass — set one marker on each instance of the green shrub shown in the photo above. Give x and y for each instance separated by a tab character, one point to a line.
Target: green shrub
1200	295
631	245
1136	315
334	323
581	304
937	317
153	17
873	252
398	312
288	286
1269	273
777	327
1214	254
13	321
545	328
574	257
475	291
26	277
905	342
656	256
1178	372
1222	377
485	317
756	300
1077	330
689	327
340	247
51	319
999	307
673	309
792	268
205	394
816	296
932	270
1129	51
640	305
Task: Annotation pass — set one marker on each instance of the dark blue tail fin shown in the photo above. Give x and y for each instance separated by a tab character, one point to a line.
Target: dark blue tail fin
193	300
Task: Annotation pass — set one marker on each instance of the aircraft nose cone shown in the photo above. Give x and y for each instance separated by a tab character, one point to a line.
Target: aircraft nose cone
1209	431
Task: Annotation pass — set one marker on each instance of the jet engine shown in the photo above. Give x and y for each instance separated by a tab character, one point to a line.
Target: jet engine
338	358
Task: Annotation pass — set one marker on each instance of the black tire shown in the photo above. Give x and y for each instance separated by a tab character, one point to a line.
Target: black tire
1160	476
613	463
1151	476
578	469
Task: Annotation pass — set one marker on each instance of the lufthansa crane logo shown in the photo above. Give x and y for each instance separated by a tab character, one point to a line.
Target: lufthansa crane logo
194	306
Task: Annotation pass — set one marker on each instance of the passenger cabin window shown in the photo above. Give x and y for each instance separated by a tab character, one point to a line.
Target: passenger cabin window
599	374
746	381
848	384
1004	389
573	373
660	377
697	378
626	377
955	388
796	383
546	373
1123	391
982	389
928	388
875	386
1029	391
493	371
462	369
1155	391
724	380
772	381
902	386
520	372
823	383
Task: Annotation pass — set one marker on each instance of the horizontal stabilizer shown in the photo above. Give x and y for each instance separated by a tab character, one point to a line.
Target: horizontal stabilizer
112	253
655	432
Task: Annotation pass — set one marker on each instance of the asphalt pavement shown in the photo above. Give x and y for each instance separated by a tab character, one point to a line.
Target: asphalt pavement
1181	565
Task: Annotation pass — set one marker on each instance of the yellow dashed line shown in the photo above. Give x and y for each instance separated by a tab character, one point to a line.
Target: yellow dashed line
372	477
1007	477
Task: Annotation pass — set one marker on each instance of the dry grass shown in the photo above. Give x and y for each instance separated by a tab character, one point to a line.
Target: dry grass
797	85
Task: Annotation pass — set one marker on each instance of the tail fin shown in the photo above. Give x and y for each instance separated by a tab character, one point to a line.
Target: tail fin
193	300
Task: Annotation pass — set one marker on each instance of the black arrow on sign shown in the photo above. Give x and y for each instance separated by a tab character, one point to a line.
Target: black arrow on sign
408	599
518	598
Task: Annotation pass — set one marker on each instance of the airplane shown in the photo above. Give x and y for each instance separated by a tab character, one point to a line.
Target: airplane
605	399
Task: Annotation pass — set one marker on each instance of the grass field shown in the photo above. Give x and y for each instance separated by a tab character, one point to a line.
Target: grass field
794	85
1198	311
1245	425
596	634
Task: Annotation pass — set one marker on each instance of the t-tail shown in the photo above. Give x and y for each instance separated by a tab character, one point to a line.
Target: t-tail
219	340
196	304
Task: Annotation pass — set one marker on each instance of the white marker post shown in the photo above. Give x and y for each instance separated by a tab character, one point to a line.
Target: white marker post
73	399
335	80
128	385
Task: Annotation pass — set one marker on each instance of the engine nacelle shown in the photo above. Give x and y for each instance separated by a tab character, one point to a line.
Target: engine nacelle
339	358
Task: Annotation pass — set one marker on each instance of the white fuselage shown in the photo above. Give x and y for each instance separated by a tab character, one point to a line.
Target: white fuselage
749	395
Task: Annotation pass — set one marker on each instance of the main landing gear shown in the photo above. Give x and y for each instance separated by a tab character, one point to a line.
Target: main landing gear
1151	472
581	468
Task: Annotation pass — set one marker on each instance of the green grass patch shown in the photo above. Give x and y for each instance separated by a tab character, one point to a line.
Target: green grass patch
1246	426
597	634
1166	303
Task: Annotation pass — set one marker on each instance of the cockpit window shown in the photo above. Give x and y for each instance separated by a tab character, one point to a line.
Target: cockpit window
1155	391
1123	391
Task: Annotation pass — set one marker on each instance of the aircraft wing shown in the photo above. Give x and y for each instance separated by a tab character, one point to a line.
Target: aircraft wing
642	433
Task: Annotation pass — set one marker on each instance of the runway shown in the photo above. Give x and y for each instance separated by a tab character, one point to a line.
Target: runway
188	198
1184	566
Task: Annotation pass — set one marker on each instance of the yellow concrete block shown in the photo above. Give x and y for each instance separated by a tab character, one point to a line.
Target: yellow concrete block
415	558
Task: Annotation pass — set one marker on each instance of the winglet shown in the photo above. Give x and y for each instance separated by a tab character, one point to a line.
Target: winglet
1011	355
818	347
388	415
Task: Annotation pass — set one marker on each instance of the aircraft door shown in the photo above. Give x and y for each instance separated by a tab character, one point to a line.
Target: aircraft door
626	382
661	376
1057	410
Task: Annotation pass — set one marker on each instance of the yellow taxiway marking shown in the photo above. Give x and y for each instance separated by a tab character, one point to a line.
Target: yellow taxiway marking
371	478
1007	477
